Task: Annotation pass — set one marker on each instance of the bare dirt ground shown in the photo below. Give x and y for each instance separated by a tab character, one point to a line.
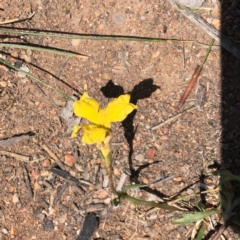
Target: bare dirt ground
184	148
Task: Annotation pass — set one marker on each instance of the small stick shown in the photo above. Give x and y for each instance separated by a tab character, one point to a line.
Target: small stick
84	198
190	86
17	19
15	155
13	140
59	195
27	182
172	118
162	181
53	156
121	181
195	76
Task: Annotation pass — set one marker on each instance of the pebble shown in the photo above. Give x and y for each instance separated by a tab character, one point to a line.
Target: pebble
27	58
15	198
24	68
139	157
95	207
48	225
69	159
46	163
105	181
75	42
3	84
4	231
62	218
73	173
79	167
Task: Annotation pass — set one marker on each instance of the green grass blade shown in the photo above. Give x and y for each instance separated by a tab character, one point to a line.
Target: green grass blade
197	216
37	79
201	231
42	49
207	53
92	37
225	175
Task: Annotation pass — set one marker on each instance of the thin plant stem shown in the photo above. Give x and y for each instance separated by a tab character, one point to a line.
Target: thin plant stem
43	49
92	37
37	79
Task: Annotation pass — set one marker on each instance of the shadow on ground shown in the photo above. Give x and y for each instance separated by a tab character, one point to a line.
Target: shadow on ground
230	65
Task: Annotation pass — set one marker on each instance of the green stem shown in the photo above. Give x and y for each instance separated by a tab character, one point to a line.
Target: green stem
92	37
37	79
42	49
207	53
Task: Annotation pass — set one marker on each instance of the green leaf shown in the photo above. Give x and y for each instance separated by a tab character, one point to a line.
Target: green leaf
43	49
199	204
201	231
197	216
226	175
133	186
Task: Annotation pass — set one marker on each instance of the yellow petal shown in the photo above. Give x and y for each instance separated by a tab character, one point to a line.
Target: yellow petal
94	134
86	107
75	131
119	108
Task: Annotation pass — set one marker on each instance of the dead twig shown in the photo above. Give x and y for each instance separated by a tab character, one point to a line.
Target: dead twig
225	42
66	176
14	140
195	76
190	86
26	178
15	155
17	19
53	156
172	118
59	195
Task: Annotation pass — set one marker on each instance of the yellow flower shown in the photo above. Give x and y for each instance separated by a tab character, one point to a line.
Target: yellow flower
101	119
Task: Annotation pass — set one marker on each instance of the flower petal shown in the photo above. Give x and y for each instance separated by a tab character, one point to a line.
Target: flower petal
75	131
94	134
118	109
86	107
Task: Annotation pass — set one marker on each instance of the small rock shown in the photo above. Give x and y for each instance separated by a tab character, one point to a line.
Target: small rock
62	218
48	225
208	180
35	175
21	74
177	179
75	42
95	207
105	181
191	3
139	157
116	172
15	198
145	180
102	194
79	167
40	216
46	163
27	58
73	173
216	23
69	159
3	84
4	231
151	152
